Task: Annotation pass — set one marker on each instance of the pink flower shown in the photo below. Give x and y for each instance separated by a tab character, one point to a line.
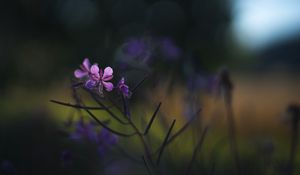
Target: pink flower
84	69
105	77
96	77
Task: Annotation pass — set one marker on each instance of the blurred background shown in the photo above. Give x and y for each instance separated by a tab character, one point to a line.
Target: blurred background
180	45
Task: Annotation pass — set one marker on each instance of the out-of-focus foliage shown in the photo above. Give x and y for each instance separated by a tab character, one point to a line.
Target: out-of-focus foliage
42	39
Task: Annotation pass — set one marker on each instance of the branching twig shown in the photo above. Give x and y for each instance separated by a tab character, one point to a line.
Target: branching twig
173	137
106	108
106	127
76	106
146	165
180	131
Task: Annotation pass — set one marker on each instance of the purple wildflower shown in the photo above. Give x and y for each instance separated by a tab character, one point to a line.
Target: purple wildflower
123	88
169	49
96	77
88	71
138	49
104	140
106	137
84	131
90	84
105	77
102	80
84	69
88	131
135	47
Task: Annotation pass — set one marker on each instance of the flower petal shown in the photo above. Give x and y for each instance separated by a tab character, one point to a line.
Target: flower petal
108	86
90	84
79	73
94	69
108	74
86	64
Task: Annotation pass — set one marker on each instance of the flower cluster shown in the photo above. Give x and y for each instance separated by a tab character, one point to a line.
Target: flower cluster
87	131
96	78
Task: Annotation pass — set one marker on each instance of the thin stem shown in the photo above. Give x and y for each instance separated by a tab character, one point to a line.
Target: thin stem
173	137
140	135
294	143
138	85
152	119
136	130
165	142
77	99
106	127
125	107
198	146
146	165
76	106
106	108
227	86
115	104
180	131
294	111
232	135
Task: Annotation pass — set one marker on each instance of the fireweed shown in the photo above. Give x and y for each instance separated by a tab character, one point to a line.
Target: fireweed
98	83
94	80
94	76
141	52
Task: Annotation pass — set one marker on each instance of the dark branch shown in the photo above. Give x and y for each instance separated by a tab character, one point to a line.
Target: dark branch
138	85
180	131
146	165
165	142
184	127
152	119
76	106
106	108
125	107
106	127
198	146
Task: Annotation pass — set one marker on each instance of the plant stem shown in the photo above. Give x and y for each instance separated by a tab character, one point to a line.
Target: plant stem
232	136
227	86
198	146
294	111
